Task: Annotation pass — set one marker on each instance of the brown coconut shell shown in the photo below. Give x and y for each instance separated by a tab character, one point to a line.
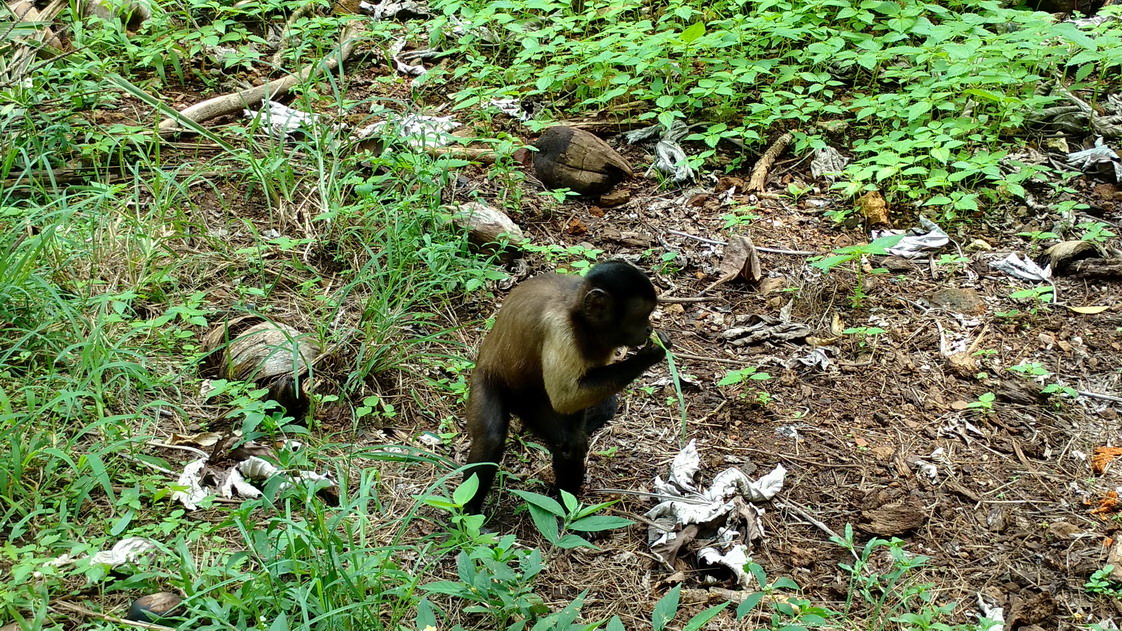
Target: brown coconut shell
272	355
572	158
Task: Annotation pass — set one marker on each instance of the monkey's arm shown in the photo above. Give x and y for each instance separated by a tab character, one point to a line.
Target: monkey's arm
575	392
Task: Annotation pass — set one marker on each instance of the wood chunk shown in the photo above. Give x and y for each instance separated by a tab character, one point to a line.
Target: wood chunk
964	301
153	607
273	355
575	159
615	198
1097	268
1063	254
894	519
487	226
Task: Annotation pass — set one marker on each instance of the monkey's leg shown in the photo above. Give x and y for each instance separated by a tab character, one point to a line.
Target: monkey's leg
488	421
567	438
598	415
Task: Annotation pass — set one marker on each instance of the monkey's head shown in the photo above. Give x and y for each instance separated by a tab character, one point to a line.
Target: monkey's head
616	304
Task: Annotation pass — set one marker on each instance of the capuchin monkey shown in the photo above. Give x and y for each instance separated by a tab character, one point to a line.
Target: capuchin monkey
547	361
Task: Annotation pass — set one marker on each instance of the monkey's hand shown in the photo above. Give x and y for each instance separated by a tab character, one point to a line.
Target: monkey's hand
656	347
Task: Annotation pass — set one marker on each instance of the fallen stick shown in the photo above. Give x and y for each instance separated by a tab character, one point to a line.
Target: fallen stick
230	103
758	248
90	613
760	171
1097	268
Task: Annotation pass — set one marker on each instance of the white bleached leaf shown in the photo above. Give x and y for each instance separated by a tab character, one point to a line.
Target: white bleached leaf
192	478
683	471
1023	267
128	550
735	559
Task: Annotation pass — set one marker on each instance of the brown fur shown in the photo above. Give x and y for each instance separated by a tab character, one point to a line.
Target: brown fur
547	361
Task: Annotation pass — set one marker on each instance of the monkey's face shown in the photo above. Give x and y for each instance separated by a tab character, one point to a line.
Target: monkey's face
634	322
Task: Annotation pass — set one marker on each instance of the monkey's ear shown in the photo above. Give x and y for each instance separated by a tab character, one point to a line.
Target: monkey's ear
598	304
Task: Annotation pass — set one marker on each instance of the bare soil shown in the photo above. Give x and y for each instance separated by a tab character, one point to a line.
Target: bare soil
1007	512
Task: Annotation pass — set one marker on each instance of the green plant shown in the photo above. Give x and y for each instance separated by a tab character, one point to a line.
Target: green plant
862	333
497	581
1038	296
955	262
1095	231
1030	369
742	375
1039	235
739	217
666	609
892	595
1102	584
983	404
780	602
853	257
554	520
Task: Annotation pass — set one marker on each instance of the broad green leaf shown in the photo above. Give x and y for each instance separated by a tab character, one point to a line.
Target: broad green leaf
830	262
546	523
881	245
450	588
785	582
696	30
466	491
700	619
280	624
426	614
666	608
541	501
596	523
571	541
748	605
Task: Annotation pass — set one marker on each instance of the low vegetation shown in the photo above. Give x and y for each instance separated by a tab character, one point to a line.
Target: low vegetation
120	246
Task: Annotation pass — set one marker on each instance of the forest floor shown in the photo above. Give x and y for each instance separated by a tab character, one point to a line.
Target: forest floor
914	405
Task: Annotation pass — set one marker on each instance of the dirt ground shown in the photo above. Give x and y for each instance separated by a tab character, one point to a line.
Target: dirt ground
880	438
1006	508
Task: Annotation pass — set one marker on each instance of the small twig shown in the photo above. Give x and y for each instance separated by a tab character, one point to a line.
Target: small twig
758	248
802	512
685	299
702	358
697	238
90	613
759	172
1093	395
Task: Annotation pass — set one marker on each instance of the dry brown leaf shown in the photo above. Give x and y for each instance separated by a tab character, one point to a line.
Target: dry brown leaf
1102	457
202	439
1108	504
873	208
576	226
740	261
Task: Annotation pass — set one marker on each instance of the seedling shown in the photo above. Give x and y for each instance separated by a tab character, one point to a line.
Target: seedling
1096	231
853	256
863	332
984	404
552	519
